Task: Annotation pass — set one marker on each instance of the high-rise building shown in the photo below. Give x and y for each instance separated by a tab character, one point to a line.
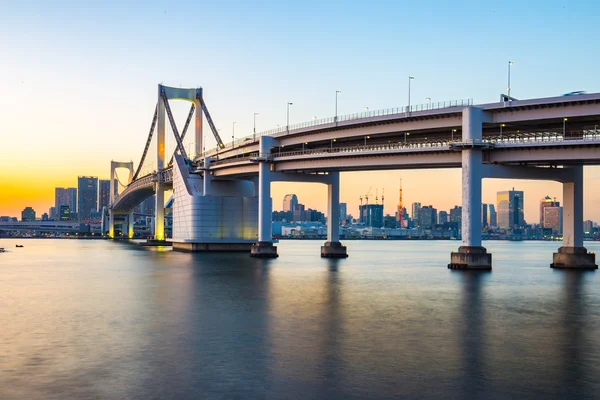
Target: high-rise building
456	216
65	196
484	215
87	200
546	202
415	213
299	212
371	215
289	202
28	214
552	218
510	209
492	217
103	193
53	213
427	217
442	217
45	217
343	213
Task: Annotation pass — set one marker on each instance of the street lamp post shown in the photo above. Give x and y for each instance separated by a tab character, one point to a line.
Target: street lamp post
501	126
564	127
336	102
367	137
254	134
428	98
331	145
410	78
405	135
452	135
288	117
508	88
233	134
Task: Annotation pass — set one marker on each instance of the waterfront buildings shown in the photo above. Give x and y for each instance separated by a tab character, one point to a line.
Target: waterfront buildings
103	193
415	213
371	215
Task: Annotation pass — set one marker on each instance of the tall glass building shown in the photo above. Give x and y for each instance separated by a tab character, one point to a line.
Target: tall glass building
510	209
87	201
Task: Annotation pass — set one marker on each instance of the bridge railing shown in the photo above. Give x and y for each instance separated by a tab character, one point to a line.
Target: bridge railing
347	117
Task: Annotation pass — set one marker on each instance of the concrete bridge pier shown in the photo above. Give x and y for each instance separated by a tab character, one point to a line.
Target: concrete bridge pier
264	248
130	222
333	248
471	255
572	254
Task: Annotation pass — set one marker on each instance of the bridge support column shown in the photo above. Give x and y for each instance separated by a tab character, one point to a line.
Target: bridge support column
130	222
471	255
159	213
111	224
333	248
572	254
264	247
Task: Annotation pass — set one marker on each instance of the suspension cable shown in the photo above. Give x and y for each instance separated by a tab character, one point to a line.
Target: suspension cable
139	168
211	124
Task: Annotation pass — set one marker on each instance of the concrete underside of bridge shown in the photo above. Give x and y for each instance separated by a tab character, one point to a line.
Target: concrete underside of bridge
217	246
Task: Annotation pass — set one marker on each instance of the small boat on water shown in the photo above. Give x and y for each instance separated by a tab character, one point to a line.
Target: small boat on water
2	250
19	245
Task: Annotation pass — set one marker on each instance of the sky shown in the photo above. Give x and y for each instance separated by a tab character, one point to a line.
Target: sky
79	81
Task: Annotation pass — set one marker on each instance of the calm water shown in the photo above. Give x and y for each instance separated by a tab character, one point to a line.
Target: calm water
103	320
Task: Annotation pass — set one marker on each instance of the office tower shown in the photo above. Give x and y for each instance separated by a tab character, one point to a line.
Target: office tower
28	214
65	196
588	226
510	209
45	217
87	199
53	213
103	193
299	212
427	217
442	217
343	213
484	215
456	216
415	213
546	202
289	202
552	218
492	217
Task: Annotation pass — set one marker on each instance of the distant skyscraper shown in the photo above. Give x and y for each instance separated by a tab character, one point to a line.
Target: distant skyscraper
65	196
484	215
546	202
510	209
289	201
442	217
28	214
53	213
588	226
456	216
299	212
492	217
343	213
103	193
87	201
427	217
415	213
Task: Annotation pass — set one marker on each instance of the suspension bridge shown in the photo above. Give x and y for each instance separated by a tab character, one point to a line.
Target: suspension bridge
221	197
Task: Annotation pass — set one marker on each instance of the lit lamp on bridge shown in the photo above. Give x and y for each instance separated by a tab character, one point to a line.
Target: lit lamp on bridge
405	135
367	137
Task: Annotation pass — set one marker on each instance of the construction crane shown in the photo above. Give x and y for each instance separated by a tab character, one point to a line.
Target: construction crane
367	195
382	195
376	196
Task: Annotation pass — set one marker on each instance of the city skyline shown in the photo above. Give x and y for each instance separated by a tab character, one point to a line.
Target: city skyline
88	125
